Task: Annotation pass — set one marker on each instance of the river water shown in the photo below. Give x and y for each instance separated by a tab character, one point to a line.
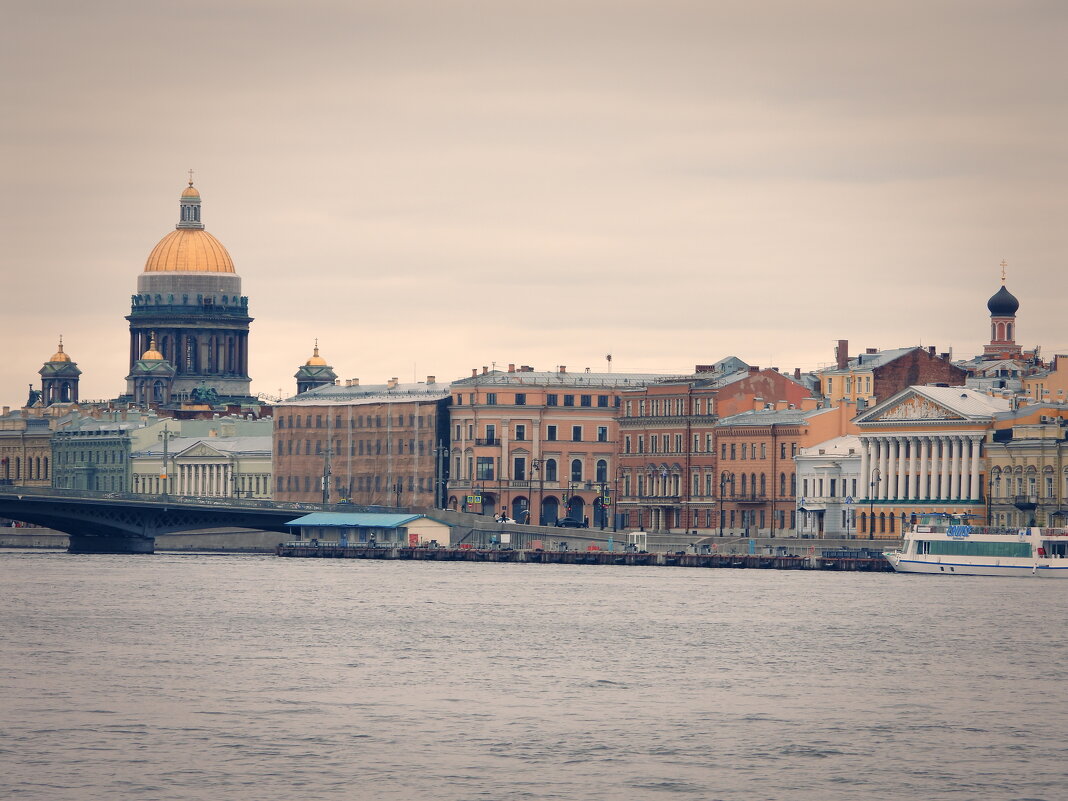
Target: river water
186	676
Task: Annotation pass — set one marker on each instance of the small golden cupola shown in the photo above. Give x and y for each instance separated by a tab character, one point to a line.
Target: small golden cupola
314	373
316	360
59	355
152	354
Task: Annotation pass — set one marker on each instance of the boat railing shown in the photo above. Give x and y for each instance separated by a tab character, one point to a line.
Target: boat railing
963	528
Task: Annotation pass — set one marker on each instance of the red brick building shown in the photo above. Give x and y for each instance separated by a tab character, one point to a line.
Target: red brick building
669	459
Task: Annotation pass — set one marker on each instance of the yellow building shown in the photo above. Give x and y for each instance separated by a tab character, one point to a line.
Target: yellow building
1049	385
1028	458
923	451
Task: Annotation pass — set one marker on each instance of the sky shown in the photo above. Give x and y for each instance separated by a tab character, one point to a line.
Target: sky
428	186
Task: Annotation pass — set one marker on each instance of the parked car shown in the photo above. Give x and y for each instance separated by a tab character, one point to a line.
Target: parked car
567	522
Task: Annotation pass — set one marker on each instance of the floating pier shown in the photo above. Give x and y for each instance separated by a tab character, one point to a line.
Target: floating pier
838	561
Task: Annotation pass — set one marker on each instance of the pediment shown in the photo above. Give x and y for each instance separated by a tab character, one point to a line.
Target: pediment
912	408
201	449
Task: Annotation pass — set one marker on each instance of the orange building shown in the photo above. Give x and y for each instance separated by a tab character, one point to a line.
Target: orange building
538	446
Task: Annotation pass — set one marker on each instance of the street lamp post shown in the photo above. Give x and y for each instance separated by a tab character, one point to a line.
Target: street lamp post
166	434
876	477
725	479
535	467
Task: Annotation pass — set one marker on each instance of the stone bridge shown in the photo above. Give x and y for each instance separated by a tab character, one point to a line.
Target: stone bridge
115	522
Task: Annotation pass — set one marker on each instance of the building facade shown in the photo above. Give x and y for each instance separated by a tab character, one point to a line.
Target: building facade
375	445
1028	461
923	451
757	472
828	477
539	446
874	376
668	456
211	466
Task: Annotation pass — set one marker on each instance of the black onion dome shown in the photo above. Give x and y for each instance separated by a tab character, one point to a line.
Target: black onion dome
1003	304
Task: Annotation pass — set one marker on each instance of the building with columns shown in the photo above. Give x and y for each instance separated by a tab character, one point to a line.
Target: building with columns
189	320
923	451
828	477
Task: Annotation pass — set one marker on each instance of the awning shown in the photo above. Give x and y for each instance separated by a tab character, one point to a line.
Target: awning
809	508
353	520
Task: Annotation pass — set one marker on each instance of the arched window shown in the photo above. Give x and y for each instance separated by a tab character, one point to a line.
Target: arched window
763	484
882	522
793	484
576	470
782	484
602	470
744	477
550	469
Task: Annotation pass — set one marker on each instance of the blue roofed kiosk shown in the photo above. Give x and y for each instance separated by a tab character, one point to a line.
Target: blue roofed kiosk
363	528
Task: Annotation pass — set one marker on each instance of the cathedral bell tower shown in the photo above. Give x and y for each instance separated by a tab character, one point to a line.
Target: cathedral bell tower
59	378
314	373
1003	306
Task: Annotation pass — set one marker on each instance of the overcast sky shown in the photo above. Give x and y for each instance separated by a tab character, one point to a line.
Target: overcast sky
429	186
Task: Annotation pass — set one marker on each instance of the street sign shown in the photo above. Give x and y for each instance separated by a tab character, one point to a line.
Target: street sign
474	499
849	499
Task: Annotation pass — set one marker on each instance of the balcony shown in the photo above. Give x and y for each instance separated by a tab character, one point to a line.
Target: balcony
487	441
1025	502
750	498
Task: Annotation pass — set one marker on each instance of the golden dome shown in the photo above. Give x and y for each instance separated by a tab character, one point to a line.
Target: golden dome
316	360
59	355
152	355
189	250
190	191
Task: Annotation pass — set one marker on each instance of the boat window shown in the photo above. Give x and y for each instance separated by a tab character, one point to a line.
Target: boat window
975	548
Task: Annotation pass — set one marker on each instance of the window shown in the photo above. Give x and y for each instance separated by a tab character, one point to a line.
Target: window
520	399
602	401
745	451
602	470
723	450
602	433
569	400
550	469
678	443
550	433
520	433
576	470
732	451
763	450
782	450
626	444
585	400
519	468
576	433
551	399
491	398
484	468
491	434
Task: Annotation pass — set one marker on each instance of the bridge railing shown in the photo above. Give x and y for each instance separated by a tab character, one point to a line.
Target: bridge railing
193	500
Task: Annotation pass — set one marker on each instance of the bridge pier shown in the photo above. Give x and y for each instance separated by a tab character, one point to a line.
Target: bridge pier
110	543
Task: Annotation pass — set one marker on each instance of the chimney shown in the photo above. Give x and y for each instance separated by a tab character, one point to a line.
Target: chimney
781	405
563	368
754	370
213	433
484	369
944	356
842	354
808	404
797	374
431	379
337	382
392	383
758	404
526	368
511	367
355	382
7	410
871	350
931	350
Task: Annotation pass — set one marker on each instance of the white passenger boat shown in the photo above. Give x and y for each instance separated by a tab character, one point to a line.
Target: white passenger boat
944	544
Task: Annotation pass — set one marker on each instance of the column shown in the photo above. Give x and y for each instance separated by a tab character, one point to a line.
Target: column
976	451
908	467
865	469
917	466
890	479
884	468
954	470
903	468
944	458
965	467
925	457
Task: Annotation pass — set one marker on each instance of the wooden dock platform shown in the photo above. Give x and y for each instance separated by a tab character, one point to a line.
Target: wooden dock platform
574	557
